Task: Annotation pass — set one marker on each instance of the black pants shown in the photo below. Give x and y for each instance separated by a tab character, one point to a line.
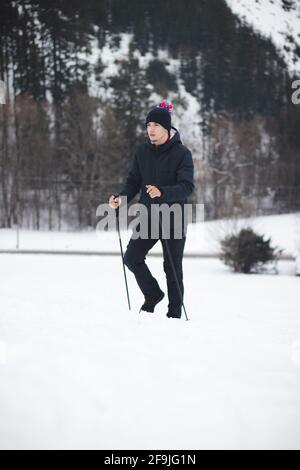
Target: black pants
134	258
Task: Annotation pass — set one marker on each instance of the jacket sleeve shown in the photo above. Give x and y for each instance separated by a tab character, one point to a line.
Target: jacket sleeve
133	182
185	181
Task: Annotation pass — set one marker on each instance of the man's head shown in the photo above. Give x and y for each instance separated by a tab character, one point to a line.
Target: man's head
158	123
157	133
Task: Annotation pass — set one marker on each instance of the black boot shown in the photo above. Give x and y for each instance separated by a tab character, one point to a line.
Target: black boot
174	313
149	304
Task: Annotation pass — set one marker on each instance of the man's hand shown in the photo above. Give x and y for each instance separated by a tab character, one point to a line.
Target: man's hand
114	201
153	191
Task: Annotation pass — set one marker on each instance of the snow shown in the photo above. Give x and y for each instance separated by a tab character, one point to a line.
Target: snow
79	370
269	18
203	237
2	92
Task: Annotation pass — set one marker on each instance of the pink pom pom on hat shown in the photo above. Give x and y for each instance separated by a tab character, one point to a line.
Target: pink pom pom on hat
161	114
167	105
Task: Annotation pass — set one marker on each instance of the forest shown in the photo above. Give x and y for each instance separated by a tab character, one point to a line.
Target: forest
76	106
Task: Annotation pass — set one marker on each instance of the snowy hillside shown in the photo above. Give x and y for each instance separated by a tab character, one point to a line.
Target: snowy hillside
111	57
276	19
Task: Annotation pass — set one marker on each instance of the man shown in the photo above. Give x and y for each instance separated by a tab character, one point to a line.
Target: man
162	167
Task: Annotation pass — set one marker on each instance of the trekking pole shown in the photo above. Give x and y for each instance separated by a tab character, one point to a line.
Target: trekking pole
171	262
121	248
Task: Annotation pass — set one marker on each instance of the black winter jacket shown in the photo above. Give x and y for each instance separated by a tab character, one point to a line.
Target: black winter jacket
169	167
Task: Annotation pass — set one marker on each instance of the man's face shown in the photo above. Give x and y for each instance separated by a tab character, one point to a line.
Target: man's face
156	132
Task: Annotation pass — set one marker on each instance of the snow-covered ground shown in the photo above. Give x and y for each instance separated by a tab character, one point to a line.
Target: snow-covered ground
203	237
79	370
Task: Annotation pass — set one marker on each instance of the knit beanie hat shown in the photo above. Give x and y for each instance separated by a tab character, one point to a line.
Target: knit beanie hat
161	114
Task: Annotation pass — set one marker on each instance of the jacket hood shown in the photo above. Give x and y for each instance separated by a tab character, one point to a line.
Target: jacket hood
175	139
